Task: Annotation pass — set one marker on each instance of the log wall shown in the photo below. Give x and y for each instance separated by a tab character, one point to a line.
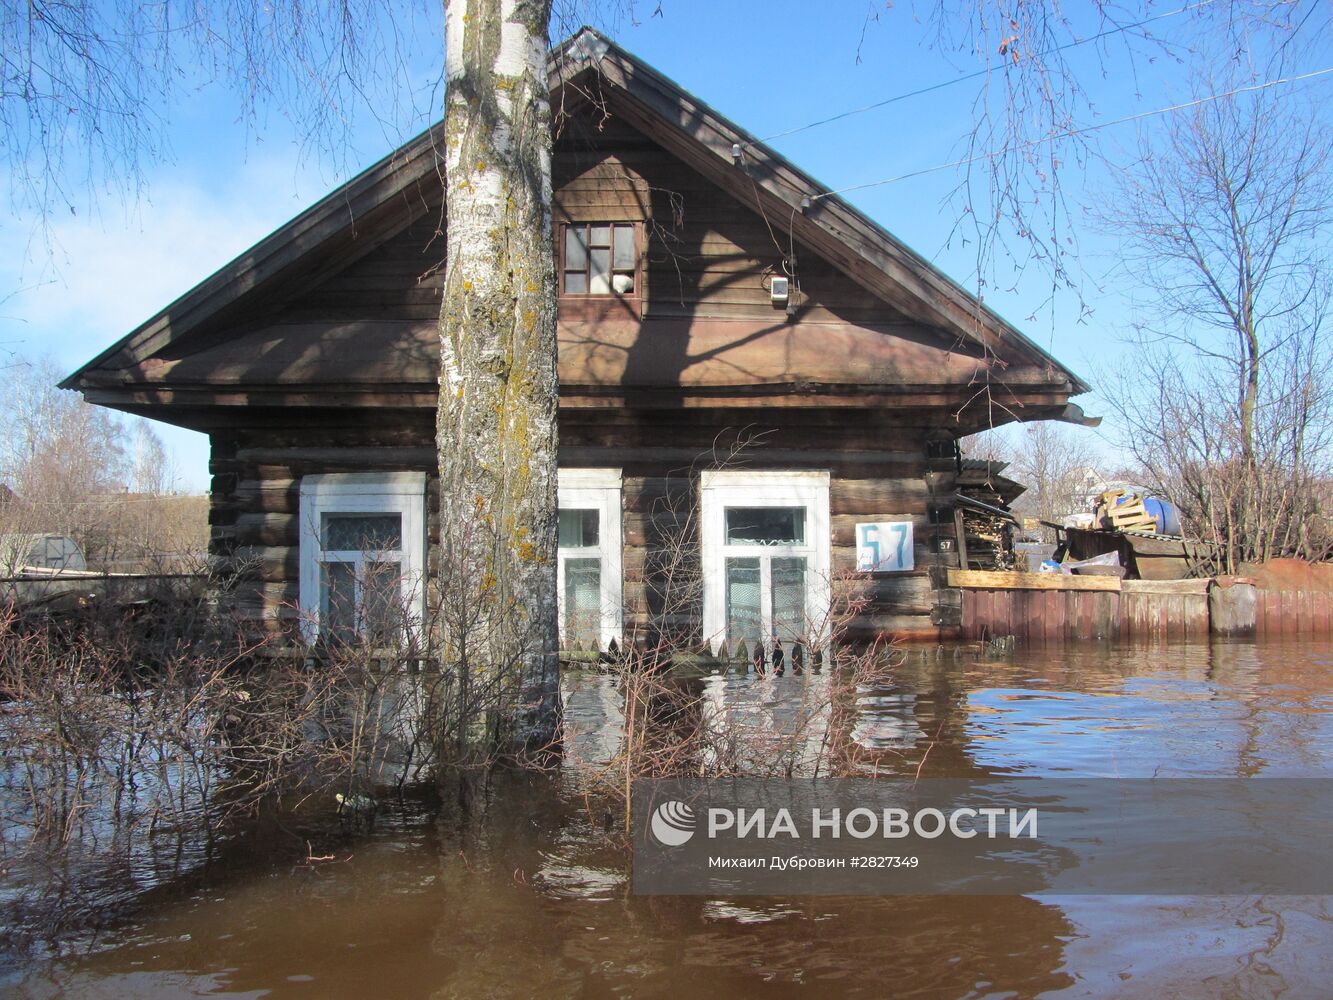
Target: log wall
877	473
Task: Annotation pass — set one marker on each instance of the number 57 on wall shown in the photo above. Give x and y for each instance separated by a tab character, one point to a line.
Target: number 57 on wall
885	547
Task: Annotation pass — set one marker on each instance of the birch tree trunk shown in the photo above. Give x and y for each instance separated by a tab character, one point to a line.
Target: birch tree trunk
496	423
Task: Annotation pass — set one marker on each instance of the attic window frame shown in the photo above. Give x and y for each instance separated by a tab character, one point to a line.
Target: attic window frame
635	294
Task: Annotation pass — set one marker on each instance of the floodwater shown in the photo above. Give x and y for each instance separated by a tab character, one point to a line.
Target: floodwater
532	898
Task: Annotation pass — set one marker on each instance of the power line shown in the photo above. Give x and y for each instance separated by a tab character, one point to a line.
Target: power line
1069	133
983	72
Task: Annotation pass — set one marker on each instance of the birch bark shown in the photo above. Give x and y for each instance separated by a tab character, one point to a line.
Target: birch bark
496	422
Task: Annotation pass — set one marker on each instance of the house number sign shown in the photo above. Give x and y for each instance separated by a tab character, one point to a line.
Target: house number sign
885	547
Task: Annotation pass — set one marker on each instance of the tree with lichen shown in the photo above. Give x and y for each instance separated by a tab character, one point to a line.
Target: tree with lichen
496	426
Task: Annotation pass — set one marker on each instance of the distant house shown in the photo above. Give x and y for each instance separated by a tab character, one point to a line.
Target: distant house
706	286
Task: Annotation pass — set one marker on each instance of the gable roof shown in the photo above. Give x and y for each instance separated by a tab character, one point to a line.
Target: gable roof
379	202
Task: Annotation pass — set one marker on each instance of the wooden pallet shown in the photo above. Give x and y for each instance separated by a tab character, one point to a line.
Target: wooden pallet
1129	515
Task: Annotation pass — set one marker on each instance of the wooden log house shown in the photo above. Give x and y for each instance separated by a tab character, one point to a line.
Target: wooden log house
311	362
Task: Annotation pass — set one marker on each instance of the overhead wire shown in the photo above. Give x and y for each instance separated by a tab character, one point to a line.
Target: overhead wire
1120	29
1069	133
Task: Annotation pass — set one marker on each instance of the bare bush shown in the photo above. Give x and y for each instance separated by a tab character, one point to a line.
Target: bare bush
77	470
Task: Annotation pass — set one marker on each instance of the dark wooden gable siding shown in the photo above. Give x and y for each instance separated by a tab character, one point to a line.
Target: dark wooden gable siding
707	252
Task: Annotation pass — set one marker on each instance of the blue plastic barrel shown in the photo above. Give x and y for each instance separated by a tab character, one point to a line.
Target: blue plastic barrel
1164	513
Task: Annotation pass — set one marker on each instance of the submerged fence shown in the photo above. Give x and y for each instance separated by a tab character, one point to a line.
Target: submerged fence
1050	607
1293	613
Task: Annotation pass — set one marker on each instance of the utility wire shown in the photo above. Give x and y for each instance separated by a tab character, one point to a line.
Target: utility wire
1068	133
983	72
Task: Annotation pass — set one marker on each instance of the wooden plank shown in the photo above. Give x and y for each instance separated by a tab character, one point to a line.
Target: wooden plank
1030	613
986	611
1054	615
960	539
1199	586
267	529
1172	610
1198	616
1030	581
1131	615
1007	615
1286	613
1106	620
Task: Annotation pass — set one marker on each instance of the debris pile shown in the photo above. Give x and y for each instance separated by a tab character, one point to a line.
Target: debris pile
1119	510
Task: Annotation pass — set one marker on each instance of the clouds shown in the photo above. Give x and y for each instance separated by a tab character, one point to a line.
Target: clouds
97	278
75	288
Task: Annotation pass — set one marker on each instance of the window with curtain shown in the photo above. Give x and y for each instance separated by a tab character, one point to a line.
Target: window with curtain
600	258
589	570
363	556
765	556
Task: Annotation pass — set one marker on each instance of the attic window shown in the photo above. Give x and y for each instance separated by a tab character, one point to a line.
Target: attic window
600	258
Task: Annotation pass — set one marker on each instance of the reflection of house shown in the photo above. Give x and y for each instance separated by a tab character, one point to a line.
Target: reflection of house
312	360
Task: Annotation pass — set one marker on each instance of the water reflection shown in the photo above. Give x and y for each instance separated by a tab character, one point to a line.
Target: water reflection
531	897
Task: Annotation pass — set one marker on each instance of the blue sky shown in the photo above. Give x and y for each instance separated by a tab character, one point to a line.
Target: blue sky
770	66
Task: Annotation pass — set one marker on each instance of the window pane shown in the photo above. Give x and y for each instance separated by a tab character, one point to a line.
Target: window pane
599	236
382	596
583	599
765	525
576	251
578	528
337	600
788	576
576	282
744	613
599	272
362	532
623	257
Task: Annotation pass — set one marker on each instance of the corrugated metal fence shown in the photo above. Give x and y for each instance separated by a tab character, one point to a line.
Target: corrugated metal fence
1175	609
1293	612
1050	607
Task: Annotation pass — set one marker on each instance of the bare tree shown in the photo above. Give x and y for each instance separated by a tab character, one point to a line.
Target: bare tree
991	445
1053	461
1229	409
87	86
1034	119
78	470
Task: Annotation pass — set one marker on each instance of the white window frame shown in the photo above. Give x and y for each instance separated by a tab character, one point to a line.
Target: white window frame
599	490
401	493
720	489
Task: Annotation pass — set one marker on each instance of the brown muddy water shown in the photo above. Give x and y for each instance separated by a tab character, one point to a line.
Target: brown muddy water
532	899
